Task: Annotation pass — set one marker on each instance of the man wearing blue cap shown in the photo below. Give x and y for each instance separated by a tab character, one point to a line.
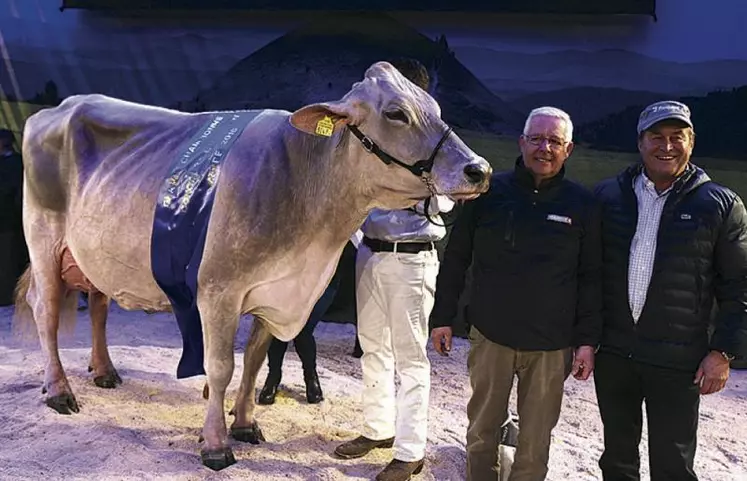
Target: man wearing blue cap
674	243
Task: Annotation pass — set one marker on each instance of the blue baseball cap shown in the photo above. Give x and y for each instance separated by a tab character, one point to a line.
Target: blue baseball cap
664	110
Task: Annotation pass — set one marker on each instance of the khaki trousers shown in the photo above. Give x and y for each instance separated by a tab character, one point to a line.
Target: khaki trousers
541	375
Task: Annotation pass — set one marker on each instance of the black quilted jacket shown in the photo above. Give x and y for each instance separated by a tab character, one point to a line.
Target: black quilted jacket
701	258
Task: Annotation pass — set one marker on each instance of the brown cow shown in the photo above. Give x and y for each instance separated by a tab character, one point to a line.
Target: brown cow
288	195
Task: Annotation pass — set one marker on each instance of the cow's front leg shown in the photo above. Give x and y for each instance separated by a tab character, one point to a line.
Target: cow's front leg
220	320
104	374
245	427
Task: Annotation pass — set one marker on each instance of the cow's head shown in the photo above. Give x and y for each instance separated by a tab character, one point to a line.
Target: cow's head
397	127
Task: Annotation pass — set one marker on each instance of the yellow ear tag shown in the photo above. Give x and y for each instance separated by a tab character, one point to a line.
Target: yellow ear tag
325	127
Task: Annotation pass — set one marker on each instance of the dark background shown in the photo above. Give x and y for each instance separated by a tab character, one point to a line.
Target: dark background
515	6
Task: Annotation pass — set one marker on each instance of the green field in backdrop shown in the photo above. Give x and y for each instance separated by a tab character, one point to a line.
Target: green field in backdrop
13	114
585	165
589	166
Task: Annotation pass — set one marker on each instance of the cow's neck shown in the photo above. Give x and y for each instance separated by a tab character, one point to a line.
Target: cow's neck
338	179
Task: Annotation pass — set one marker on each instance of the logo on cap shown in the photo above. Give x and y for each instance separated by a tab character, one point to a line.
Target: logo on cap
667	109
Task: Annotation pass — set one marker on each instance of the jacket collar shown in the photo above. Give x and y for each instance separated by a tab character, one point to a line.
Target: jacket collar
692	178
525	178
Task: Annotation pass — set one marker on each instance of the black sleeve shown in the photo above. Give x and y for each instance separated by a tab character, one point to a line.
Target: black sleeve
456	261
588	328
730	261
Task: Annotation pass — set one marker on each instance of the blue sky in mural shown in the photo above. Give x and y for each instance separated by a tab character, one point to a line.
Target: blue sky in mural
686	31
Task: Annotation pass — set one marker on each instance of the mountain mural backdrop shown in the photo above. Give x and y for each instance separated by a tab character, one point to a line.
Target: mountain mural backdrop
194	67
322	59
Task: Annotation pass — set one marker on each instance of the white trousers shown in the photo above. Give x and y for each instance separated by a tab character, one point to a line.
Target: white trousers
394	294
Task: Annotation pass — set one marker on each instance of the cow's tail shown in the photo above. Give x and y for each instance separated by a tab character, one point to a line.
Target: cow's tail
24	325
23	316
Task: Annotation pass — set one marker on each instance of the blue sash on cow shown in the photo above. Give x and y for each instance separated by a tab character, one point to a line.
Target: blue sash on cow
180	226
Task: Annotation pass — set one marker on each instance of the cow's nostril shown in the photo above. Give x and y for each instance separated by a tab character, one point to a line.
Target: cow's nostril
476	173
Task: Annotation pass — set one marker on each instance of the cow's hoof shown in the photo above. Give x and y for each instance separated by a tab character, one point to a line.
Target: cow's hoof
219	459
249	434
109	380
64	403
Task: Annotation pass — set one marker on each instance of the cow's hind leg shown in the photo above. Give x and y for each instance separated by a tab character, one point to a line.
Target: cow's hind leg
220	320
42	295
104	373
245	427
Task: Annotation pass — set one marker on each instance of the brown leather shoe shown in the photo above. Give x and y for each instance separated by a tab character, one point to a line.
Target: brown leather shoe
361	446
398	470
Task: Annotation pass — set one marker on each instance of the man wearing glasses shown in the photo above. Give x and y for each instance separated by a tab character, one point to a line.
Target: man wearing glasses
534	308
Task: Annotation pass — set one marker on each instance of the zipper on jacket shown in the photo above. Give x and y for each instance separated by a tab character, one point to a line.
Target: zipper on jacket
510	236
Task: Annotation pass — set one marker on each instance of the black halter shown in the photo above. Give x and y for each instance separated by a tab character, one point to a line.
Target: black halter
418	169
421	168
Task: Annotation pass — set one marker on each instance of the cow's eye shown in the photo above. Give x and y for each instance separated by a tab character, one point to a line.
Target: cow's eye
397	115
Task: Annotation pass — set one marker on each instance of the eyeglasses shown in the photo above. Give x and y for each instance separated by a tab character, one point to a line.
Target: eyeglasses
553	142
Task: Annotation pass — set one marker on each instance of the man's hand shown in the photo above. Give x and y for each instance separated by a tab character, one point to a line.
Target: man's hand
441	337
712	373
583	362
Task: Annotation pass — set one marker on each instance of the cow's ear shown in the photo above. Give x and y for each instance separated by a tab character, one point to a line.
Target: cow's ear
323	119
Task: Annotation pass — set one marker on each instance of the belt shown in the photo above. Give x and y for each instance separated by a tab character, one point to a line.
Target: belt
377	245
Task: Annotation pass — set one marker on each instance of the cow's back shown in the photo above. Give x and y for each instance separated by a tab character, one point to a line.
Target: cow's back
88	135
101	163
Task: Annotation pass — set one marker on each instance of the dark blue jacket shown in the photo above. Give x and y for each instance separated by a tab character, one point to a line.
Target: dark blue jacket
701	257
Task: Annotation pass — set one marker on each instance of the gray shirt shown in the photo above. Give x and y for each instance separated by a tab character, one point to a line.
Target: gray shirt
406	225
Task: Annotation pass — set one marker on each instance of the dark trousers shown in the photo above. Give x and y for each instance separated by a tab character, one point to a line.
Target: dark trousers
305	345
672	402
13	261
304	342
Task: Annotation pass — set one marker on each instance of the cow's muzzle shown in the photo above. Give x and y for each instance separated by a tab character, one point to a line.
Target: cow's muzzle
477	173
